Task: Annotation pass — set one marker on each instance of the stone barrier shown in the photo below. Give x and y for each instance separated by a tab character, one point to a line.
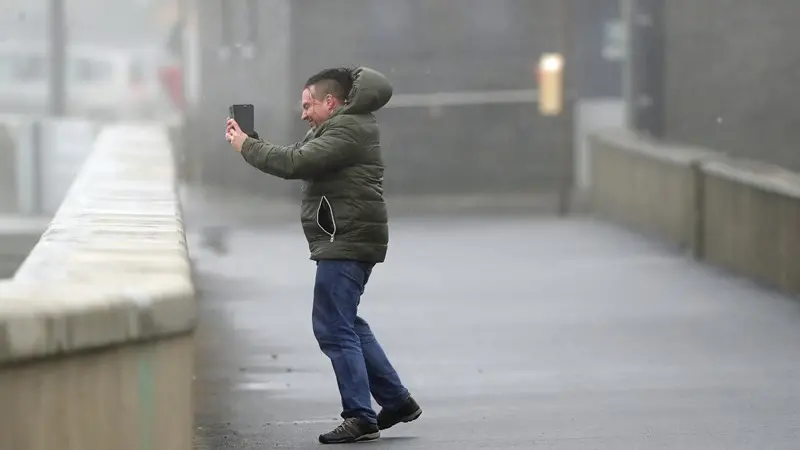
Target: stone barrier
740	215
96	328
645	186
752	222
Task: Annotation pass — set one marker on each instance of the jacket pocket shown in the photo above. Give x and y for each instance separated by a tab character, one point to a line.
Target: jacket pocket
326	220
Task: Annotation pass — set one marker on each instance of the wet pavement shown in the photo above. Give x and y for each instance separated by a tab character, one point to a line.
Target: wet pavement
512	333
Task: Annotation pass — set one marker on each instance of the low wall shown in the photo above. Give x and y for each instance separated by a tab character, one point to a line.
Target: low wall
96	327
645	186
752	222
740	215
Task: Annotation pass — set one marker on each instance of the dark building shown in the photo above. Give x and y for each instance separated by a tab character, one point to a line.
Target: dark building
464	118
723	74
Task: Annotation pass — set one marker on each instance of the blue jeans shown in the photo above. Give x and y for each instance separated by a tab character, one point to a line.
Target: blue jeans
359	362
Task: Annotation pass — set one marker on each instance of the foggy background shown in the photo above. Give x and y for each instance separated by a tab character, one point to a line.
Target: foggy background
463	120
632	323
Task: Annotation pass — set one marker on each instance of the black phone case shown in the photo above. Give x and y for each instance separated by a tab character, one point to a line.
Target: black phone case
245	117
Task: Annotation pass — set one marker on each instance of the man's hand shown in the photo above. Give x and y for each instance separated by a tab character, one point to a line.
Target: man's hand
234	135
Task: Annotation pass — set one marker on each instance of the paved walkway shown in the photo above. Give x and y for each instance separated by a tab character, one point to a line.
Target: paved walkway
512	333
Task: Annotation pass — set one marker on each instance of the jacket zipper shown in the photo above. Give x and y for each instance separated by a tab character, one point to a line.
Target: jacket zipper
333	219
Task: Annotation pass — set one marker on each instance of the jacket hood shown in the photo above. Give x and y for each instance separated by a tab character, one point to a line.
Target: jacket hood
371	91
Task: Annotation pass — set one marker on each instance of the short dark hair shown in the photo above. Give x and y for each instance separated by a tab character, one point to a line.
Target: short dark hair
336	81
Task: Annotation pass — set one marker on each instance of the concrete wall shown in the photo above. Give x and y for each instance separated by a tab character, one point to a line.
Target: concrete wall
730	77
96	328
738	214
227	75
476	144
644	185
492	141
751	222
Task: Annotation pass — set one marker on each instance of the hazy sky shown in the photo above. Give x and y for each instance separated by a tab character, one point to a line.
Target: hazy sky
119	22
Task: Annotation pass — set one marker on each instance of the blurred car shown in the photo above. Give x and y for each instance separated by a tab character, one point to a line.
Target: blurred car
101	82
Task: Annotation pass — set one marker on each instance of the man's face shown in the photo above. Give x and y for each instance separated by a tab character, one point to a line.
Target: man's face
316	111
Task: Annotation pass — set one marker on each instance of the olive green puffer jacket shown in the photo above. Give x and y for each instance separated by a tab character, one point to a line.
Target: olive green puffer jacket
343	210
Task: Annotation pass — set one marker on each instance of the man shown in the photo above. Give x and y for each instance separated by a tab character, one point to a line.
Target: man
344	219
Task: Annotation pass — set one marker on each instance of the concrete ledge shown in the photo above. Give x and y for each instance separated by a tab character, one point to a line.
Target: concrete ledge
740	215
133	397
96	326
649	187
38	319
114	255
752	222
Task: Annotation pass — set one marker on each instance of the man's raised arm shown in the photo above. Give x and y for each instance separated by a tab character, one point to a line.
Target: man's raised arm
334	149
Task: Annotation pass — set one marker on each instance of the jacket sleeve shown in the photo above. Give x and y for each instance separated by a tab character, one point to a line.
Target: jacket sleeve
333	150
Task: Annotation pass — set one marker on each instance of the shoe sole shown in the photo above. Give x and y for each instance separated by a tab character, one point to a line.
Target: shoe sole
363	438
369	437
409	418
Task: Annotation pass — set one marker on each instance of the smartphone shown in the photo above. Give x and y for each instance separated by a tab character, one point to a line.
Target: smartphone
244	115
